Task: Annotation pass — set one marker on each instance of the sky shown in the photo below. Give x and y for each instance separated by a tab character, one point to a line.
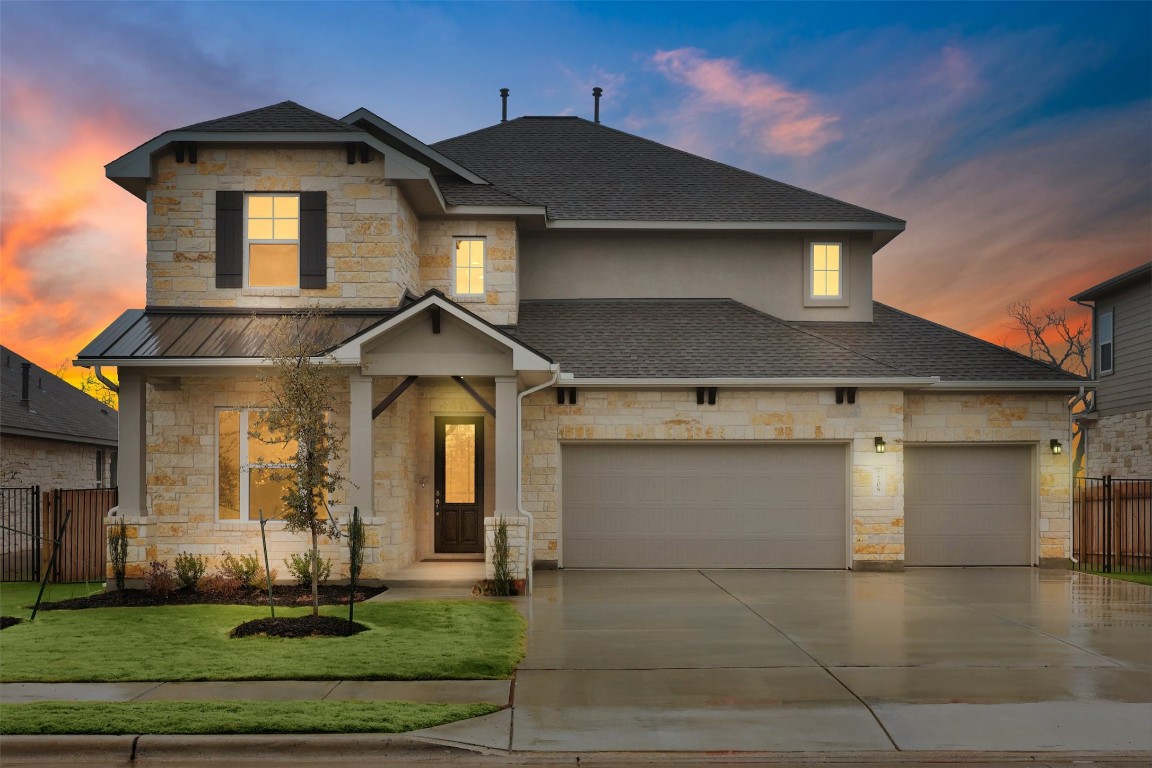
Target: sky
1014	138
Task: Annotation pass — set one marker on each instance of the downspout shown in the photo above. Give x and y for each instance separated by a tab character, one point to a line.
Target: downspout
1080	398
99	374
520	464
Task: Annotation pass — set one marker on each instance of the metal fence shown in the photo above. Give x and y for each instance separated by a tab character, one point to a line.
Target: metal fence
20	534
84	547
1112	525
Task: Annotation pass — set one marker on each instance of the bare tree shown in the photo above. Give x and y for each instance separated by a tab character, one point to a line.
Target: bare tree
1051	338
89	385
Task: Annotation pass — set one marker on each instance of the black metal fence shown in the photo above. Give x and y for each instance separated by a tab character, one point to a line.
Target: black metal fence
20	534
1112	525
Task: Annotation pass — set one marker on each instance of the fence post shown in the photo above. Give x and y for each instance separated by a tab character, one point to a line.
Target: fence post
36	547
1107	523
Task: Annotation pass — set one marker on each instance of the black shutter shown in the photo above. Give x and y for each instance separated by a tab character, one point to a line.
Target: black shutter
229	239
313	240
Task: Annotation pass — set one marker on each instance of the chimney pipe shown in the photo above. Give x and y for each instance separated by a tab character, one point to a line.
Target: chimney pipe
503	105
596	100
25	375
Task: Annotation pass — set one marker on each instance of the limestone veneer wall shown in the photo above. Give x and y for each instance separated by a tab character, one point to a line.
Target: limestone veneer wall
373	235
53	463
394	462
1121	446
499	303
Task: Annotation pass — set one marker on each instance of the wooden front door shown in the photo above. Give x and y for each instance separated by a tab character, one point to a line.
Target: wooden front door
459	493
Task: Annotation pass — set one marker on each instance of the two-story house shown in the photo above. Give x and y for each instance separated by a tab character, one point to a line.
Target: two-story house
1118	427
642	357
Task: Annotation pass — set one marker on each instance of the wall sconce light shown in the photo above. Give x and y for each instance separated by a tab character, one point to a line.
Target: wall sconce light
880	446
423	482
1054	444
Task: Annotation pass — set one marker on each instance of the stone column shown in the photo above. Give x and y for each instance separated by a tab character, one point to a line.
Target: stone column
132	453
360	443
506	426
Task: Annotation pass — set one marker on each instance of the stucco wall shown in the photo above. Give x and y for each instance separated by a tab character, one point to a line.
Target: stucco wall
1121	446
372	232
437	249
53	463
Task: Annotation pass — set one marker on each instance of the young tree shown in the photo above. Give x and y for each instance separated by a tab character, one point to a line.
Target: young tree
301	389
1051	338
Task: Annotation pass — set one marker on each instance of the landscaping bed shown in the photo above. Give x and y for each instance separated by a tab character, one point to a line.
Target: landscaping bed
282	594
299	626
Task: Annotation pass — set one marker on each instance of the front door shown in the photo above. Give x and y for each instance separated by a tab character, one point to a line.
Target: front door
459	484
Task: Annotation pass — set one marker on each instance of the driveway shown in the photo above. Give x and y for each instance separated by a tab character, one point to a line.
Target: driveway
928	659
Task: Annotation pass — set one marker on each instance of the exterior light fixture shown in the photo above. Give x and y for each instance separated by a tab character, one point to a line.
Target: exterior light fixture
880	446
1054	444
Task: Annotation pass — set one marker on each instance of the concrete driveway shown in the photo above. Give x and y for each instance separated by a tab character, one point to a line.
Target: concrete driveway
928	659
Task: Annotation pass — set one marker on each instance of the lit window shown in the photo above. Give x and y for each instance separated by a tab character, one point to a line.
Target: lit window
253	472
272	242
468	266
1104	342
827	272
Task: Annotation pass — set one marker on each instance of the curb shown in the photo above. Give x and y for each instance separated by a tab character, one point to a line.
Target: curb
105	750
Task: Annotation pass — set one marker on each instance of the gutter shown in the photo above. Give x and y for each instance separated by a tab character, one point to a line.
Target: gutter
520	465
908	382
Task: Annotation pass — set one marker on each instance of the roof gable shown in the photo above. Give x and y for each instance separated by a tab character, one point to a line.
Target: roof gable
287	116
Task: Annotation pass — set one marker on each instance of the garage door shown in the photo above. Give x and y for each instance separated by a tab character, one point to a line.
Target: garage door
704	506
968	505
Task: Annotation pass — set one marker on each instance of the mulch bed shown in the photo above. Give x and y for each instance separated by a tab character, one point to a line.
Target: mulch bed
9	621
299	626
284	595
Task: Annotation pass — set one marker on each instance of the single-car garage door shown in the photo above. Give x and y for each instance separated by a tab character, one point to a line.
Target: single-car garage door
968	505
643	505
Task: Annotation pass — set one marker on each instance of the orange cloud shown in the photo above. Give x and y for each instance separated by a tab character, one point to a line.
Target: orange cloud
776	118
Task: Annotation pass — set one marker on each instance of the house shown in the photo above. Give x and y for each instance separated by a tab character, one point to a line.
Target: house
640	357
52	434
1118	427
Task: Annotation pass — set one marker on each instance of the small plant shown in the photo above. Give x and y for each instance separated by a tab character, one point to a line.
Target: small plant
118	553
266	579
355	557
501	567
190	569
300	566
243	568
160	580
218	585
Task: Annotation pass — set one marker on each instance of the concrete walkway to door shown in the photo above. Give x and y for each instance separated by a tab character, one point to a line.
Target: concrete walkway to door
928	659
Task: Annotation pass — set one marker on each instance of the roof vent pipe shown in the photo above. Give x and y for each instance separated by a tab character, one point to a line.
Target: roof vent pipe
503	105
596	92
25	374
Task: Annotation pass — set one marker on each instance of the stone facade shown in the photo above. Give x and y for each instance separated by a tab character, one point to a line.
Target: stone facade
499	303
55	463
1120	445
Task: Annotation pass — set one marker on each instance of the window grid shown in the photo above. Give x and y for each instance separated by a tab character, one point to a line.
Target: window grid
468	267
827	270
272	234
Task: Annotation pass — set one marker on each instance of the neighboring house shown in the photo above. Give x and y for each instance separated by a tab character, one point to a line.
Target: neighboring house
52	434
651	358
1118	428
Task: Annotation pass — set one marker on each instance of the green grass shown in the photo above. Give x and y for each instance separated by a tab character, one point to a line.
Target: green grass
18	597
1139	578
185	717
410	640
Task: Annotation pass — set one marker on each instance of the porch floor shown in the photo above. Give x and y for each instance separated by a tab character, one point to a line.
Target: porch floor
433	578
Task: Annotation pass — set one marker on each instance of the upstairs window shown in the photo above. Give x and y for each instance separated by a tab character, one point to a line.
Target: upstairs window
468	267
272	241
826	274
1104	342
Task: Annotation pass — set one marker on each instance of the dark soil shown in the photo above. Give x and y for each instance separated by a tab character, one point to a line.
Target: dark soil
9	621
285	595
299	626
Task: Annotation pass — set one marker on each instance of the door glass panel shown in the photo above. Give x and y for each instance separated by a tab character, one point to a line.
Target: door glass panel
459	463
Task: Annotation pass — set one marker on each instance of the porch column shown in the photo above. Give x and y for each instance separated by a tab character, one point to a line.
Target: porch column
132	452
506	426
360	443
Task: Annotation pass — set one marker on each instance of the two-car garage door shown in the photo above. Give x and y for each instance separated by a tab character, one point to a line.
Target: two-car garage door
644	505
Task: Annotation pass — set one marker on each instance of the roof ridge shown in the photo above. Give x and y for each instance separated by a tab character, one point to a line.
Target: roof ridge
335	122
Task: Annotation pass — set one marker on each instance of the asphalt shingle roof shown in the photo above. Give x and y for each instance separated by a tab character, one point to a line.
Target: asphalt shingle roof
55	410
585	170
287	116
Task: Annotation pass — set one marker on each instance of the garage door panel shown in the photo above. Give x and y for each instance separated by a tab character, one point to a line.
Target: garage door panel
677	506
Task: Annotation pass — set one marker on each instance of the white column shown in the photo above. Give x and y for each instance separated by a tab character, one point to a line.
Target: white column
132	451
360	443
506	427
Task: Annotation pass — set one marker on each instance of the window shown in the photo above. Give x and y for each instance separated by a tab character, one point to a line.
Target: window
468	267
251	472
1104	342
826	273
272	240
99	469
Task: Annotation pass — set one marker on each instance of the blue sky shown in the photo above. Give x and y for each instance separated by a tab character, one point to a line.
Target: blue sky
1015	138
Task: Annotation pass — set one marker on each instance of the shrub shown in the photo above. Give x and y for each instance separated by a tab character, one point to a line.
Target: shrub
300	567
189	569
160	580
218	585
263	580
243	568
118	553
501	568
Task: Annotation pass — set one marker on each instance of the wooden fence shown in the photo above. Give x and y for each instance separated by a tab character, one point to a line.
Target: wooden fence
1112	525
84	546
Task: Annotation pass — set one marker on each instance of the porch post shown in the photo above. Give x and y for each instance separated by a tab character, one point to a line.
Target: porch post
132	451
506	427
360	442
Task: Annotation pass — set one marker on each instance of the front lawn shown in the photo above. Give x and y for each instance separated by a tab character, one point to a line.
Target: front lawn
184	717
411	640
18	597
1139	578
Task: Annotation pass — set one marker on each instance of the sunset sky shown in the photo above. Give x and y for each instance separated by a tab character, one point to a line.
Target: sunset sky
1015	139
